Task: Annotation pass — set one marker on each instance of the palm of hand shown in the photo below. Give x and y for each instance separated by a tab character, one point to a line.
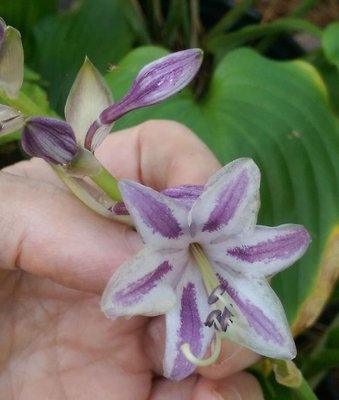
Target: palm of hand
59	345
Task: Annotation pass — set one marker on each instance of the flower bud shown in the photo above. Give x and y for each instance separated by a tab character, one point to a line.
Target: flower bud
11	60
10	120
154	83
50	139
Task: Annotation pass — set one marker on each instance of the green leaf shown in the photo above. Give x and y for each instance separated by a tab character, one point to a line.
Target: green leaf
23	15
330	43
278	114
97	29
324	355
222	43
274	391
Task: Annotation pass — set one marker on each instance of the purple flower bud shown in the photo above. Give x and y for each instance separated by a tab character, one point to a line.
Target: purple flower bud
155	82
50	139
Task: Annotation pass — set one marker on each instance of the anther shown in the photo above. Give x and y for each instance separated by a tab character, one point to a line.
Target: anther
216	294
220	320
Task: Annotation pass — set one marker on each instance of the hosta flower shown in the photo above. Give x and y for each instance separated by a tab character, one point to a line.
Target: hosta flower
204	265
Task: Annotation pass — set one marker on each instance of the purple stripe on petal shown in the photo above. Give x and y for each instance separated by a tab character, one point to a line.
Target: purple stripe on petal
227	203
137	290
190	331
186	193
280	247
120	209
254	316
154	213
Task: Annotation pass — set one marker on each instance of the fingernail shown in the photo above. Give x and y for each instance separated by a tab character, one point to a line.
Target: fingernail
134	241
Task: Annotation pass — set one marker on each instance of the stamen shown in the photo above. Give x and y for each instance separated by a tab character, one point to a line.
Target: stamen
203	362
219	320
216	294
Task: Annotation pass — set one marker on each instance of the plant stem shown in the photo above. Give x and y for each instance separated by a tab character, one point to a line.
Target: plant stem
107	183
229	19
251	32
303	8
195	23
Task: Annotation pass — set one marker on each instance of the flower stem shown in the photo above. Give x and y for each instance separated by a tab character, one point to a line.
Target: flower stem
107	183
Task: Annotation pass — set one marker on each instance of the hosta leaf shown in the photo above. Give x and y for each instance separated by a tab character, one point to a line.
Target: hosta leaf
97	29
278	114
331	44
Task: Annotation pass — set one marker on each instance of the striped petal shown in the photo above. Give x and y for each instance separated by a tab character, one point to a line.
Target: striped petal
266	252
161	221
143	285
258	319
229	203
188	194
185	324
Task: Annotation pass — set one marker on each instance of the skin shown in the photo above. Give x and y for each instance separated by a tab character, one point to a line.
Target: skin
56	256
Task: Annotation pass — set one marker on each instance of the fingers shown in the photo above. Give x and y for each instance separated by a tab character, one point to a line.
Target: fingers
46	231
159	154
241	386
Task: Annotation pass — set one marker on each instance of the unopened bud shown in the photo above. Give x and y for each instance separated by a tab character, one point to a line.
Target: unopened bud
50	139
154	83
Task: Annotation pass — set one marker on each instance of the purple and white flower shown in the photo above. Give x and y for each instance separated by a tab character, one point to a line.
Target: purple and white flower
204	265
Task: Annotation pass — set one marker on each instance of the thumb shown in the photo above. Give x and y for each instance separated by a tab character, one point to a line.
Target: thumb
44	230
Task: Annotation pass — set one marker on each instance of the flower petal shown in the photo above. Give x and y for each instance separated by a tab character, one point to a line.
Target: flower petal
266	252
143	285
185	324
88	97
229	203
185	193
161	221
258	318
11	62
10	120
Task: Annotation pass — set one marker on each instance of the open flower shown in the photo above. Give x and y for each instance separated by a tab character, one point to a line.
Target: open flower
204	265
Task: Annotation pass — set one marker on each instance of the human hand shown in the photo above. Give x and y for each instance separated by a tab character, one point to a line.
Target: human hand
56	256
